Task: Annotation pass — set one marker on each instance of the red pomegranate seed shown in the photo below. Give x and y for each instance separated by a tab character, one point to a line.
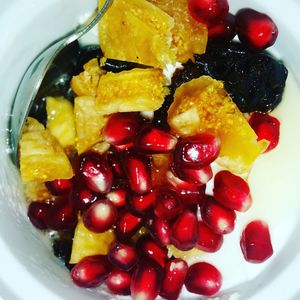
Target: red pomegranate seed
62	214
37	212
91	271
118	282
167	204
100	216
266	127
152	140
117	197
219	218
224	30
208	240
138	172
123	256
255	29
83	197
208	11
232	191
204	279
114	161
59	186
95	172
197	151
152	250
159	230
121	128
127	225
139	205
194	175
174	275
146	280
189	193
256	242
184	232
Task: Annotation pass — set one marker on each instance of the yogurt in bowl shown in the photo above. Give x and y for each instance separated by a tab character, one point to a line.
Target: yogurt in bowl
42	268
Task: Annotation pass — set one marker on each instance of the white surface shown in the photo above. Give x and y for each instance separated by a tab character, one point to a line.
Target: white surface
28	270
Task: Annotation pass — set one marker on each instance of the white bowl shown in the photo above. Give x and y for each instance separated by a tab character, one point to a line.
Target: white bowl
29	270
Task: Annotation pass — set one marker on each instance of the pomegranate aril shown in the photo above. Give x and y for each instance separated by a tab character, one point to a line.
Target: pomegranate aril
194	175
184	231
37	212
159	230
95	172
91	271
232	191
138	172
121	128
256	242
255	29
146	280
151	249
127	225
222	31
203	278
118	282
117	197
266	127
197	151
208	11
139	205
123	256
152	140
62	214
208	240
100	216
167	204
83	197
219	218
114	162
59	186
174	275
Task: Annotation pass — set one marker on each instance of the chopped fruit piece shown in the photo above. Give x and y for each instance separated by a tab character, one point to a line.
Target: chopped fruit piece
255	29
37	212
36	191
41	156
89	121
160	166
159	230
129	91
91	271
60	120
139	205
204	279
100	148
203	105
198	176
266	127
143	26
174	276
86	83
232	191
59	186
186	255
256	242
189	36
83	197
118	282
86	242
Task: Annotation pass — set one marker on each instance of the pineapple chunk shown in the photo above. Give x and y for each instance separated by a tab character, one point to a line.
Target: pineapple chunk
189	36
137	31
134	90
203	105
36	191
185	255
41	157
86	83
60	120
86	243
89	121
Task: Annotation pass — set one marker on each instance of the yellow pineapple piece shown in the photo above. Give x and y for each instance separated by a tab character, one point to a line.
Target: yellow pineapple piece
41	156
189	37
86	83
86	242
134	90
186	255
60	120
203	105
137	31
89	121
36	191
161	164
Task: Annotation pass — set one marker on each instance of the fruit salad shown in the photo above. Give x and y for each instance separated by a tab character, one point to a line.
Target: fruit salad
141	167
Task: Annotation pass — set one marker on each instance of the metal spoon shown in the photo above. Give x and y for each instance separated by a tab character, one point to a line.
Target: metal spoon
33	77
